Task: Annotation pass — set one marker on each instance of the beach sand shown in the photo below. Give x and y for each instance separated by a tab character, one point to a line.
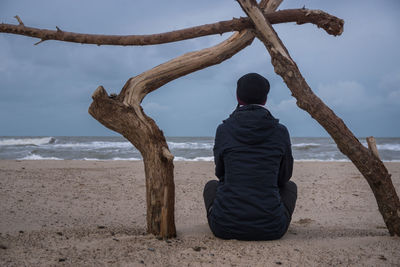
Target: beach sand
92	213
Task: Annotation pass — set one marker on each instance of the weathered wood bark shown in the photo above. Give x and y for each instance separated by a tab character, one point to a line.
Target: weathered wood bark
369	165
144	134
329	23
124	115
372	146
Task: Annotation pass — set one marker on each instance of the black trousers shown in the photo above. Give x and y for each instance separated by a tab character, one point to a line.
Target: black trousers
288	196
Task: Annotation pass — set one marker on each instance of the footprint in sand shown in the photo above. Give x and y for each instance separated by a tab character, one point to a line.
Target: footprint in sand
304	221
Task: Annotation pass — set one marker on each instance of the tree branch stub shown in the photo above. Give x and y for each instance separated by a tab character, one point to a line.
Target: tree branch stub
19	20
372	146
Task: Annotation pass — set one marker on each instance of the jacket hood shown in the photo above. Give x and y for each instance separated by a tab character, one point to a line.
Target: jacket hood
251	124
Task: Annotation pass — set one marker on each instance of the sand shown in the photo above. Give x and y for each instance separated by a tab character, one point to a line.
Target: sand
92	213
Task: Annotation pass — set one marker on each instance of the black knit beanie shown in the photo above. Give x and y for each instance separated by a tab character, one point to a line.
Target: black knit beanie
252	88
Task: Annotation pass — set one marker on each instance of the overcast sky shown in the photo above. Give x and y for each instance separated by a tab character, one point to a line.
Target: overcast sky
46	89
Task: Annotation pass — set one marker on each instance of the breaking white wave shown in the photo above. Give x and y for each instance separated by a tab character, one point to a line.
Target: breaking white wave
336	160
38	157
190	145
392	147
100	144
137	159
194	159
388	147
92	159
305	145
322	160
27	141
96	145
116	158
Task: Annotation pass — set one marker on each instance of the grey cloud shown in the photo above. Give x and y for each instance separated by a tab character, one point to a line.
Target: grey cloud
58	78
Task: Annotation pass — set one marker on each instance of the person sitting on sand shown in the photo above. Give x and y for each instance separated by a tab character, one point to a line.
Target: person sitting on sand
253	199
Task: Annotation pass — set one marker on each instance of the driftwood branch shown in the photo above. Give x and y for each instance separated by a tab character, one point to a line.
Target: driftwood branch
138	87
372	146
329	23
370	166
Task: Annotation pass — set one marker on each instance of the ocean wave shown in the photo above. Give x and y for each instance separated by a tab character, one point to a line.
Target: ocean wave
116	158
322	160
135	159
96	145
190	145
194	159
337	160
27	141
389	147
392	147
38	157
305	145
127	145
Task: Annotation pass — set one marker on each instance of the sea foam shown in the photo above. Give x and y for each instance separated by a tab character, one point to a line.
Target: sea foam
392	147
96	145
116	158
38	157
194	159
305	145
27	141
190	145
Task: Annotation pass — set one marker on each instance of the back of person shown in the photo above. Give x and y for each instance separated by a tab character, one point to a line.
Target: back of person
253	164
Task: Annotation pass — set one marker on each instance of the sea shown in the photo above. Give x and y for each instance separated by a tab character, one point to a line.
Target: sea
183	148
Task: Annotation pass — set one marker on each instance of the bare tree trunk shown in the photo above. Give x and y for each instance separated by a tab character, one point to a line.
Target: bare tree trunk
369	165
144	134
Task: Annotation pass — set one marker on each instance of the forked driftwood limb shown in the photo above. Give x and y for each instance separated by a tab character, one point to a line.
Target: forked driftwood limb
329	23
370	166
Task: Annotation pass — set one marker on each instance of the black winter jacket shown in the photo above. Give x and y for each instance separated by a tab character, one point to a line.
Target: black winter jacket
253	158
